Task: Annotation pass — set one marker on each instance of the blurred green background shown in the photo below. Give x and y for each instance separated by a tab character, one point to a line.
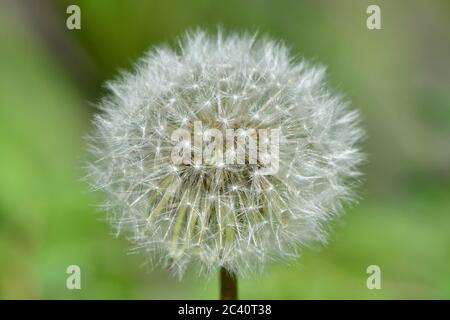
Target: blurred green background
51	78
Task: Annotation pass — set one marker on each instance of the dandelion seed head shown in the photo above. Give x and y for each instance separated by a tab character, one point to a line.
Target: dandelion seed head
228	215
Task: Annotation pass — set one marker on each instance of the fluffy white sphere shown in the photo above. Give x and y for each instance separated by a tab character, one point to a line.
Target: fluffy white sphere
223	214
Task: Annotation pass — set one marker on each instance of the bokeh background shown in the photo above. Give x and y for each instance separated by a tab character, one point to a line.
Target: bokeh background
51	78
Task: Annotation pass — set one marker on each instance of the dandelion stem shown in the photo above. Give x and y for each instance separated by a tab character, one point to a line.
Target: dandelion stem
228	285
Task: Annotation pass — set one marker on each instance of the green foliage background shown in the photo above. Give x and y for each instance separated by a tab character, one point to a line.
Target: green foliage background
399	77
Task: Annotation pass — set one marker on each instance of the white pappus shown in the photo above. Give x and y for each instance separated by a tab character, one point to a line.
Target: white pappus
223	214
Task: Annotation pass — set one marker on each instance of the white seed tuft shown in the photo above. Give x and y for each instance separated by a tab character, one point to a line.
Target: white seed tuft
225	214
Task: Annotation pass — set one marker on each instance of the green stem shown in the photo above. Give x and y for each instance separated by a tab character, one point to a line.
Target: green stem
228	285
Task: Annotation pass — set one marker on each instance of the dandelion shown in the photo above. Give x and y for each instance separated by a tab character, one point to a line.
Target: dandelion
223	214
